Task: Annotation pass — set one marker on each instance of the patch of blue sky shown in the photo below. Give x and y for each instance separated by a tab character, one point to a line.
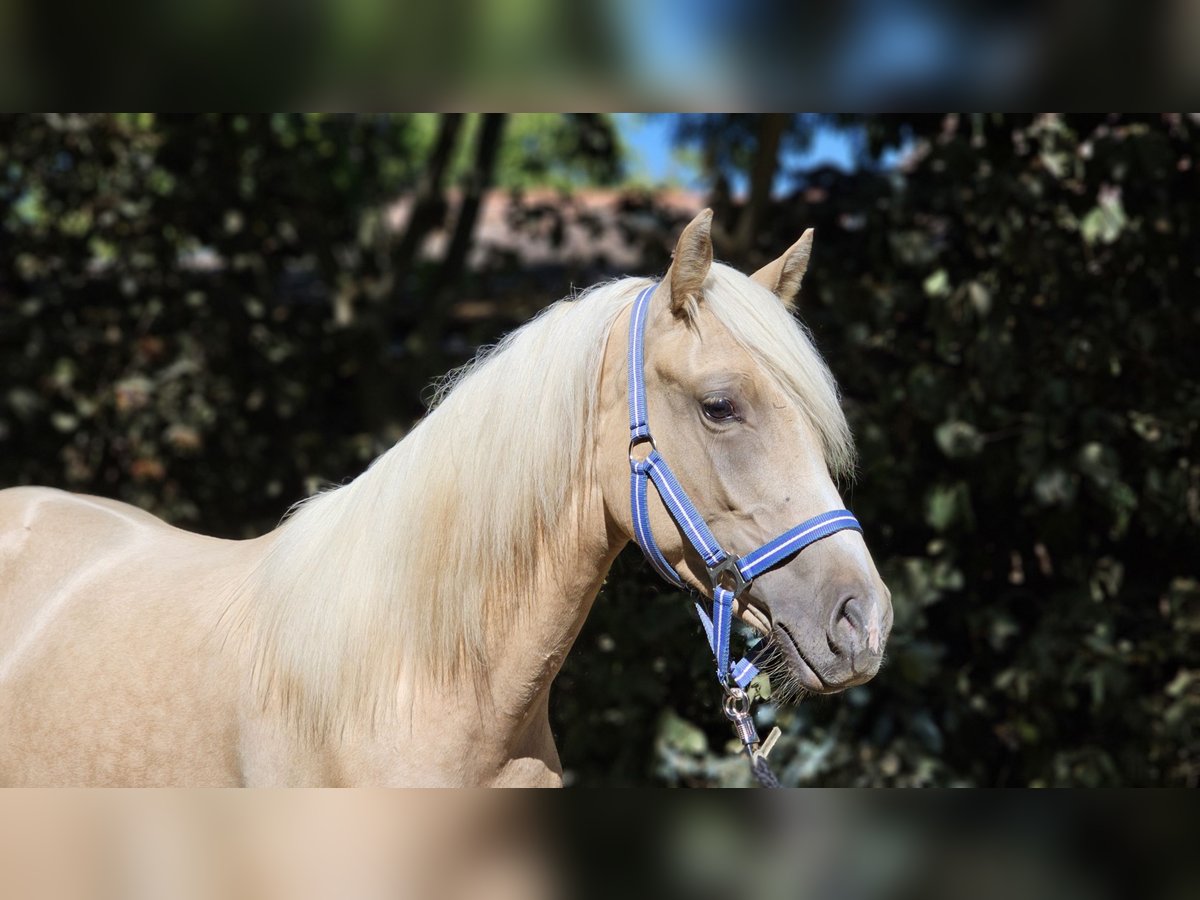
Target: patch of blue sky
652	156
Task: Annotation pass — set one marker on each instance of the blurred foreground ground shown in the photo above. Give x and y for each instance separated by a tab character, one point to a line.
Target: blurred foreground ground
470	846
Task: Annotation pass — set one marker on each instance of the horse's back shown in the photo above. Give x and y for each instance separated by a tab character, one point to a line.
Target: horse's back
112	663
51	540
47	534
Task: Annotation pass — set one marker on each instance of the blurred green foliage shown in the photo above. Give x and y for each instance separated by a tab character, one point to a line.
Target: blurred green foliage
205	316
166	332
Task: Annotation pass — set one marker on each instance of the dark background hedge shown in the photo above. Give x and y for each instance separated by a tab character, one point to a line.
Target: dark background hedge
211	316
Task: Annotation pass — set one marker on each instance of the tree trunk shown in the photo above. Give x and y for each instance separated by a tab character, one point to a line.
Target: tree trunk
379	382
762	178
487	149
439	302
429	204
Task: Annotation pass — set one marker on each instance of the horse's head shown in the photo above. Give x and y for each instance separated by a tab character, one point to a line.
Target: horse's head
747	414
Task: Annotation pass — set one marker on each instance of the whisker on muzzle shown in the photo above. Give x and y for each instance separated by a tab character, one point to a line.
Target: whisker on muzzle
786	687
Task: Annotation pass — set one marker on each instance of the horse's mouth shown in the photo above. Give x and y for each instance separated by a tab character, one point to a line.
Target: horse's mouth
787	647
800	671
803	671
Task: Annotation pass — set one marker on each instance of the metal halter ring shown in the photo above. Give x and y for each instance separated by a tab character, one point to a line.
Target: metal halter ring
728	566
637	441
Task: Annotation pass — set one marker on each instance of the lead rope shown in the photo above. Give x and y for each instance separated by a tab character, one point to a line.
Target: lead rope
762	772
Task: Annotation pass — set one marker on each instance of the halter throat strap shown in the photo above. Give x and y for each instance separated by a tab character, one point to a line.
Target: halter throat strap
729	576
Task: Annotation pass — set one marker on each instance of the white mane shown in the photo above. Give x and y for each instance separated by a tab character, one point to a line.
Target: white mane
400	572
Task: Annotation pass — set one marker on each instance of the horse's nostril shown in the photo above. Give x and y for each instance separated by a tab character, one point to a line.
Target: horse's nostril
857	627
852	612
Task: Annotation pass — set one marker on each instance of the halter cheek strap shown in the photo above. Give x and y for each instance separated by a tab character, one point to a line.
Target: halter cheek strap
729	576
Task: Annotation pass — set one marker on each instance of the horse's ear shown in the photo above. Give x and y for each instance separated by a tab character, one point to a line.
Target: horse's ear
690	264
783	276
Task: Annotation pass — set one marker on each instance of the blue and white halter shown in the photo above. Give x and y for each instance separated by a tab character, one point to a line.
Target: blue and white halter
729	576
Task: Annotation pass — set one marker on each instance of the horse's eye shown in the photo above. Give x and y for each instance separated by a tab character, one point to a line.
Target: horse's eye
718	408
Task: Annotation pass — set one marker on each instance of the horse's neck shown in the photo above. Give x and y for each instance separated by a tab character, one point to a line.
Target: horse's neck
497	731
467	730
525	656
474	613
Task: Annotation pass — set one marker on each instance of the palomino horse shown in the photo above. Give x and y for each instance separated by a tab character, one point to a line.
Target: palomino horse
404	629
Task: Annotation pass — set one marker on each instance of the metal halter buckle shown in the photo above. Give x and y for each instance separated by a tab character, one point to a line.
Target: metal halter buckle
728	566
736	707
736	703
737	711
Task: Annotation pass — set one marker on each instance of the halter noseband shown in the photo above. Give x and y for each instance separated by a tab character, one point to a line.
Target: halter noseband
729	576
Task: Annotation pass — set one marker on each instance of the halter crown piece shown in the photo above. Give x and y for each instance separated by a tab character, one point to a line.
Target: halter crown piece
730	576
